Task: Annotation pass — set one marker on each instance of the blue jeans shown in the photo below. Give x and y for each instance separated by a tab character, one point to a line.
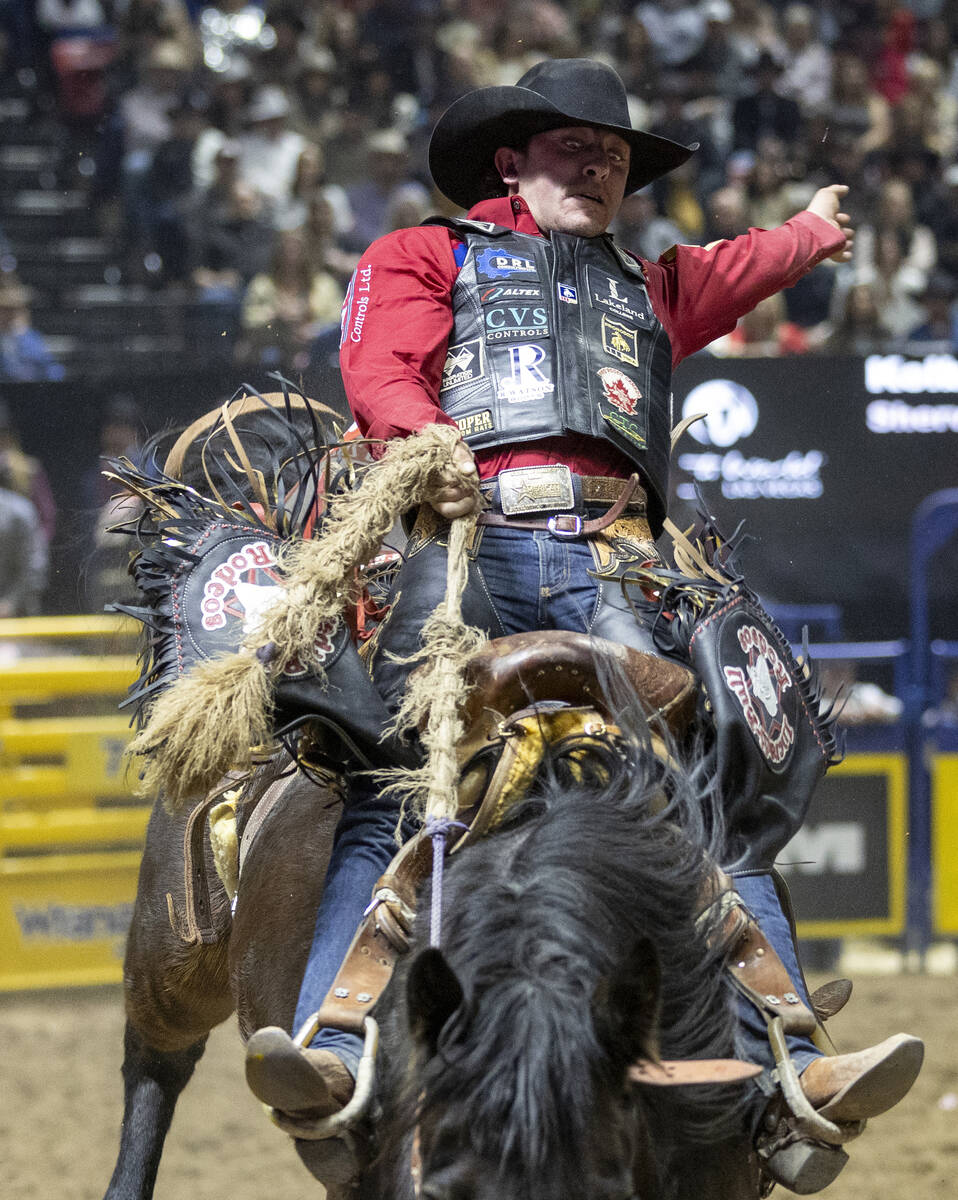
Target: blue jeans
521	581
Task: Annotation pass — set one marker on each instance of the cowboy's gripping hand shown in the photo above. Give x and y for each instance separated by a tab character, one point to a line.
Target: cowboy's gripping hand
458	493
827	203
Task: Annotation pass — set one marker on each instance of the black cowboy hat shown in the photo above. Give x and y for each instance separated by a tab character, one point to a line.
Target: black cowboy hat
555	93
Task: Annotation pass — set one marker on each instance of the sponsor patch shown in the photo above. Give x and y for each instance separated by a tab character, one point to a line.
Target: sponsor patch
618	297
759	682
567	293
232	587
619	389
515	322
494	264
510	291
356	304
479	422
626	427
464	363
619	340
528	375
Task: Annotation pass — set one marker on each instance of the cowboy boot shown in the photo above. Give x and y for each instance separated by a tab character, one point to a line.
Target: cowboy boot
299	1082
853	1087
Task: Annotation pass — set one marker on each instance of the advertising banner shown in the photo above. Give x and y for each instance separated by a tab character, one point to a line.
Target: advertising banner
826	460
846	866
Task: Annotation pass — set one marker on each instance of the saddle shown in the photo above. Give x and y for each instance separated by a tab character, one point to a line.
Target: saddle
531	694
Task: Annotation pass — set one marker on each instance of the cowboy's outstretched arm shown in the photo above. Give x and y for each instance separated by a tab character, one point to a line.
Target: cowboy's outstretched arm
699	292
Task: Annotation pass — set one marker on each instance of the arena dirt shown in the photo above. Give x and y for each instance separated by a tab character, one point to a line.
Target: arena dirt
60	1105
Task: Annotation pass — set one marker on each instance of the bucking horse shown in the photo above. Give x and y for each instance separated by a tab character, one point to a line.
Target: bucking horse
543	987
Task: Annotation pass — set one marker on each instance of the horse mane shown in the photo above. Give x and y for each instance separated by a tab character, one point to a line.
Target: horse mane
538	920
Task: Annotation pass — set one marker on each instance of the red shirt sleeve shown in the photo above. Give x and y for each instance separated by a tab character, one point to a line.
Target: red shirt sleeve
699	292
397	319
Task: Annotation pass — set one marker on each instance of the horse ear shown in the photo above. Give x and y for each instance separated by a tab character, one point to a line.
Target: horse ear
626	1005
433	993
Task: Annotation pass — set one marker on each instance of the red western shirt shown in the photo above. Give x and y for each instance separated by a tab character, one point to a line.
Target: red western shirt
398	317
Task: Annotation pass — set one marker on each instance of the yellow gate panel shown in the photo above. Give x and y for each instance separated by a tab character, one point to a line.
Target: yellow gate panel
944	810
64	918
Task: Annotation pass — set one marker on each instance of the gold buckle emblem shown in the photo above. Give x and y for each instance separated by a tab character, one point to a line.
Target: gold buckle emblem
536	489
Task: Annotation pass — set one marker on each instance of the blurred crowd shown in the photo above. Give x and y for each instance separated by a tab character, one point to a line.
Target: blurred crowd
247	153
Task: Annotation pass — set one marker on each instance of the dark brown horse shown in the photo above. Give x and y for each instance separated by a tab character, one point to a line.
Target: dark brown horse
570	948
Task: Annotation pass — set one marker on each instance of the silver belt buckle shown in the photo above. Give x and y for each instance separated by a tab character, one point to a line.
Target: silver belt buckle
524	490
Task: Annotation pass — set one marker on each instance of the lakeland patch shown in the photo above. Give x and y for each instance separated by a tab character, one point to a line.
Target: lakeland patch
621	299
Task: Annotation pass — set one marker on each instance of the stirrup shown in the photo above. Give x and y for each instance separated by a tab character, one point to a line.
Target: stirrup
799	1163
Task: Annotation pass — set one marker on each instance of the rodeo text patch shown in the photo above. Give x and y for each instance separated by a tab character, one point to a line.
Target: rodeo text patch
760	684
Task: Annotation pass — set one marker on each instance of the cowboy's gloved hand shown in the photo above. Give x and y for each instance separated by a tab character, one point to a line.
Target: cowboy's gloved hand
825	203
458	494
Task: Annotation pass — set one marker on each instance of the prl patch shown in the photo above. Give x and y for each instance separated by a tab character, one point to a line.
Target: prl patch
464	364
493	264
619	340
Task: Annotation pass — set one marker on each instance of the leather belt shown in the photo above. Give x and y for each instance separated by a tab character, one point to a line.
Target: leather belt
623	493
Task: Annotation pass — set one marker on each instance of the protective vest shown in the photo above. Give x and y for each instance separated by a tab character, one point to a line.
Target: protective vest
557	336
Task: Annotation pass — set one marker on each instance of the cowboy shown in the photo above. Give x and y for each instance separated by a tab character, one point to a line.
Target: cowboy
551	349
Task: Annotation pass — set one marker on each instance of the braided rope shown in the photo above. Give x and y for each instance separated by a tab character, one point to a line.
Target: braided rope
211	718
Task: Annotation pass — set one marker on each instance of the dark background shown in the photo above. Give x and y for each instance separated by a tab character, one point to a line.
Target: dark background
852	545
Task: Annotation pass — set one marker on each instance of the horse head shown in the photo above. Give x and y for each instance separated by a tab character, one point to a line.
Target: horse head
525	1090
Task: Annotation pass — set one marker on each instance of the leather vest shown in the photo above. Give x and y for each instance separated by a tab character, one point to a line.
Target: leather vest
557	336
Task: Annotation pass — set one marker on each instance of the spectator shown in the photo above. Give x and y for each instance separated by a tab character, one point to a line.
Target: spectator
105	558
229	93
769	197
387	185
676	30
142	25
279	64
858	328
895	285
270	151
942	215
317	95
24	355
640	228
172	190
726	214
752	32
855	108
324	248
714	72
806	76
144	113
285	308
23	555
909	249
940	323
25	474
764	112
765	332
231	236
308	182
